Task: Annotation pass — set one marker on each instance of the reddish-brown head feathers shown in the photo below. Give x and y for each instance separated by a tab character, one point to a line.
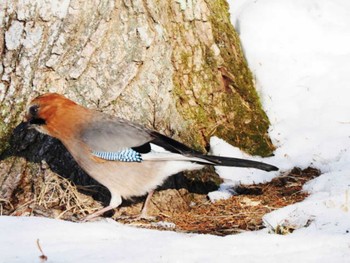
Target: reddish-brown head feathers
52	98
56	115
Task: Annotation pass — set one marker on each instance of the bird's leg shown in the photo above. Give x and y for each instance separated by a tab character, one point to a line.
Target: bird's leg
116	200
98	213
143	214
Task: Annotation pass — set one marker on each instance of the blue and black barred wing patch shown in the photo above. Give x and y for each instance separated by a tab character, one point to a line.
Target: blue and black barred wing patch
127	155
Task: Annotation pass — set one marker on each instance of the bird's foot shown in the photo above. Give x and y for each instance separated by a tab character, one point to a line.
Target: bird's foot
91	218
96	216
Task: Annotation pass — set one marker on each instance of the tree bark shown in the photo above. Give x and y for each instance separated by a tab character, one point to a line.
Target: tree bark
174	66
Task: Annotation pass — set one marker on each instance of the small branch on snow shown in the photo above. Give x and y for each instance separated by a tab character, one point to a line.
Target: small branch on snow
43	257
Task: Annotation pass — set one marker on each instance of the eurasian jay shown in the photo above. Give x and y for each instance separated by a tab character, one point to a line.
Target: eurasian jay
128	159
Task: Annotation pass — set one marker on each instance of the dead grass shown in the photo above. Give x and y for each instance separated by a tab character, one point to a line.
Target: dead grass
61	194
56	197
241	212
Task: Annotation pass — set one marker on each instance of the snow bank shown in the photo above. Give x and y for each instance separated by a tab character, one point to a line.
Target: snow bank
108	241
299	52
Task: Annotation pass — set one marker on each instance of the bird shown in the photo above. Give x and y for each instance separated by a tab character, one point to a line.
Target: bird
127	158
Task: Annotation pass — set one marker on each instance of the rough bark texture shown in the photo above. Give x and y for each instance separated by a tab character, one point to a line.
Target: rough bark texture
175	66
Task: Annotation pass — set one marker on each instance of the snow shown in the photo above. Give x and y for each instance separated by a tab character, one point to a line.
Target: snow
108	241
299	52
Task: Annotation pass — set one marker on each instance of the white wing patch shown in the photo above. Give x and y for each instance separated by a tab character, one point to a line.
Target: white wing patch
160	154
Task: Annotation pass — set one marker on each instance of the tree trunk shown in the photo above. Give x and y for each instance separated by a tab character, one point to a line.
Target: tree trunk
174	66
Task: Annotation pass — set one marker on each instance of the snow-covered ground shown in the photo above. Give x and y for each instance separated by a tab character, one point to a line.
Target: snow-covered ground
299	51
109	241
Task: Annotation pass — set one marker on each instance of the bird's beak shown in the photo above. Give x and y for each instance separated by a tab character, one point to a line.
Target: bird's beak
27	118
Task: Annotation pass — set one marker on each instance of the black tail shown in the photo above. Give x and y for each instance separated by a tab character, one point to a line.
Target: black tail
177	147
236	162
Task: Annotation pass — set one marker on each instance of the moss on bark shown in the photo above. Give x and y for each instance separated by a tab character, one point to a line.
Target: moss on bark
214	87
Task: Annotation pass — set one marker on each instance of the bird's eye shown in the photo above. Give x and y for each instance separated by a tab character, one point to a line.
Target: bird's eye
33	110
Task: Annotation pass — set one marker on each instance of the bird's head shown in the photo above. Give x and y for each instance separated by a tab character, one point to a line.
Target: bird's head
45	109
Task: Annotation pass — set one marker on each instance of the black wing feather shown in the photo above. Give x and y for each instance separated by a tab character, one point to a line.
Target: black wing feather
144	148
172	145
